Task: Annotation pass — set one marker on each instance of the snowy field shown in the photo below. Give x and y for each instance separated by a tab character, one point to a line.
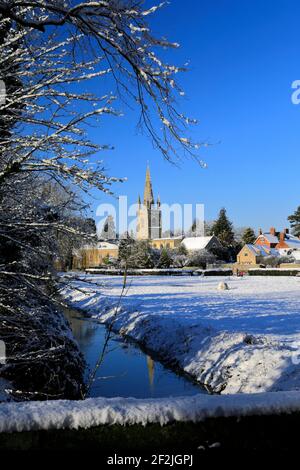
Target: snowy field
243	340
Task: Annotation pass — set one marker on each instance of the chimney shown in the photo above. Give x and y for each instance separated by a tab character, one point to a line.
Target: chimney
273	231
282	236
286	231
260	231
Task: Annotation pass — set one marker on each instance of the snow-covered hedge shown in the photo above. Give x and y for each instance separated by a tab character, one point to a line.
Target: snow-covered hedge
161	272
141	272
274	272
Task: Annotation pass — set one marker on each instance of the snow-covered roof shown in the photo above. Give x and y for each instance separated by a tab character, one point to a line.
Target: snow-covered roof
271	238
196	243
167	238
98	246
106	246
260	250
292	241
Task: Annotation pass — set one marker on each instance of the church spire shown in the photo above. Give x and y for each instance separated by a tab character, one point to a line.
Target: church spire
148	193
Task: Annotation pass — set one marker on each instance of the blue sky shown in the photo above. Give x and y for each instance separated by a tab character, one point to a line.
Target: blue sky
243	58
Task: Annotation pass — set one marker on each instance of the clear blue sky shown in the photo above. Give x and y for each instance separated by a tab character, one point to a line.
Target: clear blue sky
243	56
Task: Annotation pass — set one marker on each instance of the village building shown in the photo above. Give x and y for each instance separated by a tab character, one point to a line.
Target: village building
169	243
270	243
286	243
252	255
93	256
201	243
269	239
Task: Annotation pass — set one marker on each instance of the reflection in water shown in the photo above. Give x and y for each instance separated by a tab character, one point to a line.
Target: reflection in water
126	370
150	364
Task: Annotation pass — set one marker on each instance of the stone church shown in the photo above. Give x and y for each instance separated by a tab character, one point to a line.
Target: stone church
148	214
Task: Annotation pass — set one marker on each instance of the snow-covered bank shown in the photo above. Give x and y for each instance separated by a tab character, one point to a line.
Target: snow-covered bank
245	340
69	414
42	358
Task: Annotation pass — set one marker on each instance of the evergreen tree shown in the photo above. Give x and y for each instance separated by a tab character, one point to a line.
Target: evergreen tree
141	255
295	222
249	236
125	250
222	228
106	260
165	260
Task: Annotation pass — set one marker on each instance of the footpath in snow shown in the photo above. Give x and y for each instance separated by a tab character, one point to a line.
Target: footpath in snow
243	340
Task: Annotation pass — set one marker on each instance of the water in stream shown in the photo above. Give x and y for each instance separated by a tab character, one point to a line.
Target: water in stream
126	371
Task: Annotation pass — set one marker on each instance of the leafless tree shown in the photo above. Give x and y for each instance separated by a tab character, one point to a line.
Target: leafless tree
49	51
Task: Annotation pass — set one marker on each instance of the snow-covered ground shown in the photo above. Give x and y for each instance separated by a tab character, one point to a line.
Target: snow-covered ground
246	339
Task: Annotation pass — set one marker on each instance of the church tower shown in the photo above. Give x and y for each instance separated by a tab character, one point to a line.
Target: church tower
149	213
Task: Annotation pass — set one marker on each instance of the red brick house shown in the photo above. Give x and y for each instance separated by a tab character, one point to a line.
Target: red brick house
283	241
269	239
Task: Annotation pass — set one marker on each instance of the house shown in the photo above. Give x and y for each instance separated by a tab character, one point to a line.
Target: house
92	256
170	243
270	243
252	255
286	243
201	243
269	239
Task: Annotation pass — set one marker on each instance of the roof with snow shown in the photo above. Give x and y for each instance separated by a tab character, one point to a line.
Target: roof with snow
167	238
197	243
106	246
292	241
260	250
271	238
99	246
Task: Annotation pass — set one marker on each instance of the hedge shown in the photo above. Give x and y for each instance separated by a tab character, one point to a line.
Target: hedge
274	272
161	272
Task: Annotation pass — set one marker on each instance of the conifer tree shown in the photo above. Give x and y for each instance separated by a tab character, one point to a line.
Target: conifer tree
249	236
140	256
295	222
222	228
165	259
125	250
